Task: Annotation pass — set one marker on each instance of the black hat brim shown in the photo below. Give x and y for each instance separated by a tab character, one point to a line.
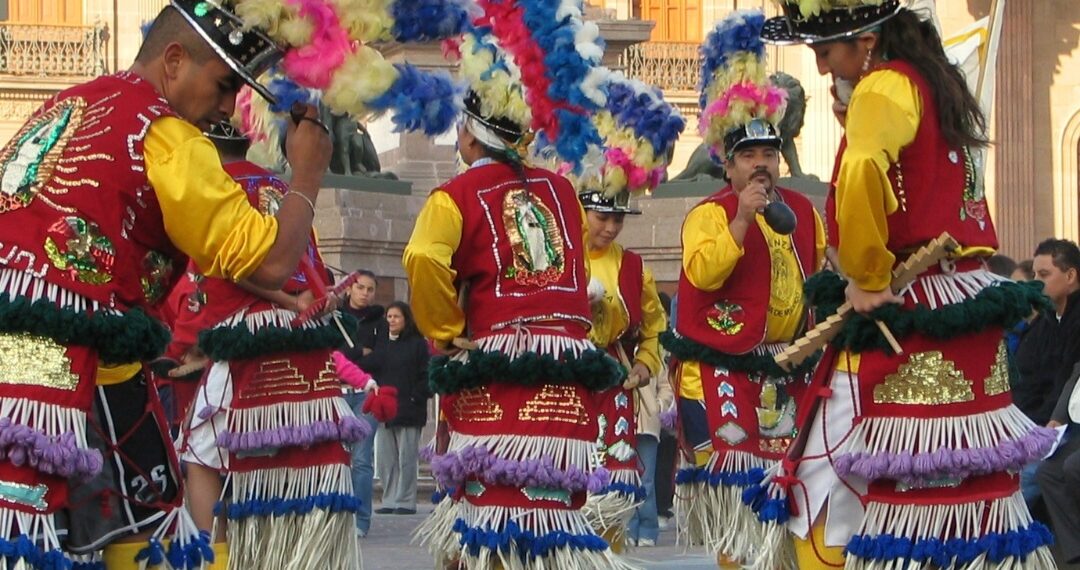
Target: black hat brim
839	24
245	74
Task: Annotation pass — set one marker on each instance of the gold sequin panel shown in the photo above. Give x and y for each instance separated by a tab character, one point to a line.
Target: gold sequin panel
30	360
998	380
476	405
555	403
926	378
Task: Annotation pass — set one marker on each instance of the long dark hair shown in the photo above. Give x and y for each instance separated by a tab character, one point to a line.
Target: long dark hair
907	37
409	330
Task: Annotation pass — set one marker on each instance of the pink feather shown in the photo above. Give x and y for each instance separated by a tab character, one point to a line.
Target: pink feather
348	372
314	64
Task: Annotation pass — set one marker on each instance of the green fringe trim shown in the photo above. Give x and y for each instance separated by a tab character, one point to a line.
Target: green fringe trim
1002	305
688	350
118	339
238	343
594	369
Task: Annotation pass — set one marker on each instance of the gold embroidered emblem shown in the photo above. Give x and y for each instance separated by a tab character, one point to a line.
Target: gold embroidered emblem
926	378
721	317
535	242
328	377
555	403
276	378
998	380
476	405
269	200
775	446
776	415
785	290
30	360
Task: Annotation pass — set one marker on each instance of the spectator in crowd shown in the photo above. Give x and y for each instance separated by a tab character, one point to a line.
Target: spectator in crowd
655	399
367	335
401	361
667	451
1024	271
1002	265
1051	346
1059	476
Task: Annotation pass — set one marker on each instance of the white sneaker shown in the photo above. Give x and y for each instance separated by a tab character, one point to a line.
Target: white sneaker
646	542
664	523
361	533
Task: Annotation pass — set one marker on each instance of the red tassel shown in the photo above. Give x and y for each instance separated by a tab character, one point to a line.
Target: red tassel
382	404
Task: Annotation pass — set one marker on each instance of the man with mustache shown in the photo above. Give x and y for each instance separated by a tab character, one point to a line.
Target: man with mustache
740	301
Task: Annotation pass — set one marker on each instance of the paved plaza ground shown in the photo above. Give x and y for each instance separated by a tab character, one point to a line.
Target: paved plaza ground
388	547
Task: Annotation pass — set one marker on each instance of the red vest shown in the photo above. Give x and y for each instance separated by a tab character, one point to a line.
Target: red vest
934	183
631	282
76	208
732	319
508	280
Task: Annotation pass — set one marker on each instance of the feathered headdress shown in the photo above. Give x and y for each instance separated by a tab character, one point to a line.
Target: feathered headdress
639	129
326	51
536	63
739	105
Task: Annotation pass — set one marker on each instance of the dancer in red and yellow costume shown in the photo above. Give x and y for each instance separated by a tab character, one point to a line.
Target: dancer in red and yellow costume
907	460
639	130
107	190
498	266
740	299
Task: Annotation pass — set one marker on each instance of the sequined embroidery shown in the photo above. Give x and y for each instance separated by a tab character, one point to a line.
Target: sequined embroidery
998	380
28	163
32	496
926	378
157	271
732	433
328	377
269	200
197	299
729	408
775	446
947	483
477	405
29	360
621	400
622	427
76	246
276	378
547	494
555	404
721	317
776	415
535	242
474	488
621	451
974	205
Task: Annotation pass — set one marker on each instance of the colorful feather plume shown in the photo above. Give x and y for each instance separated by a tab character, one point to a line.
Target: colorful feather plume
639	129
735	88
555	55
326	51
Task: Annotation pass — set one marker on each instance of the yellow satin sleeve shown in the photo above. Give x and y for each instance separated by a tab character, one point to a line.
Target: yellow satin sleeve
427	261
206	213
610	317
709	251
882	119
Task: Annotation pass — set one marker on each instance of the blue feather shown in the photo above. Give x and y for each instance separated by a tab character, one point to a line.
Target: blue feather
288	93
645	112
428	20
739	32
421	101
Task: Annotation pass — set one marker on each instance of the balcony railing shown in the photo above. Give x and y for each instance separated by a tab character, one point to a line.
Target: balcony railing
668	65
41	50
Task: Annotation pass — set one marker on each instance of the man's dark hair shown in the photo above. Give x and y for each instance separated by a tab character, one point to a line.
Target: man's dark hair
1002	265
232	149
1063	252
1027	266
368	274
171	26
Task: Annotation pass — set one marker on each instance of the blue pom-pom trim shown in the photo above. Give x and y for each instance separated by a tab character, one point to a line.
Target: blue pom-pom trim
628	489
22	548
421	101
528	543
768	509
954	552
428	20
746	478
647	114
739	32
333	502
192	555
440	494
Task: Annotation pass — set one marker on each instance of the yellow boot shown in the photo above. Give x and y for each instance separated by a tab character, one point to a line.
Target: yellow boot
812	554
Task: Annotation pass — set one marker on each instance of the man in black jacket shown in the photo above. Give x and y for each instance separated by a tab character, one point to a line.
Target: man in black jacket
1059	477
371	331
1051	346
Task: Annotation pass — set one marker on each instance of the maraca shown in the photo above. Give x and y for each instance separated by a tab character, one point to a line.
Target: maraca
780	218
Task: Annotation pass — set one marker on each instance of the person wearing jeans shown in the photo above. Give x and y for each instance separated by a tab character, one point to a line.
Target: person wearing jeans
655	399
363	462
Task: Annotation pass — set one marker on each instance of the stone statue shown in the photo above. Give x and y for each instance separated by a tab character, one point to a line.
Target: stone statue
354	154
702	167
792	122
